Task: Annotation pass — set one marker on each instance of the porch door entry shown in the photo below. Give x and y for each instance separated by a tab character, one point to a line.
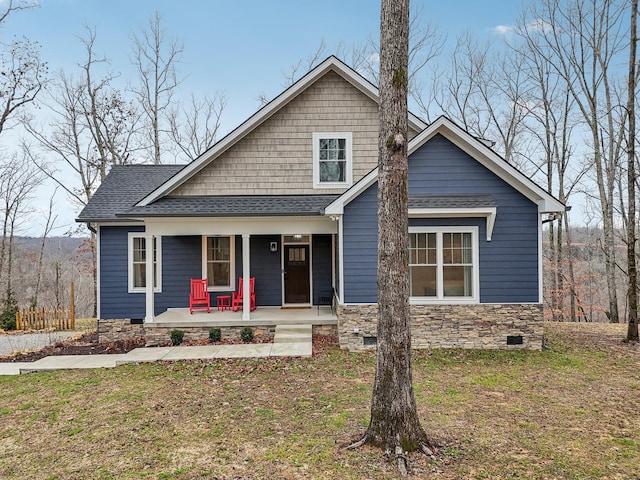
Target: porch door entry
296	274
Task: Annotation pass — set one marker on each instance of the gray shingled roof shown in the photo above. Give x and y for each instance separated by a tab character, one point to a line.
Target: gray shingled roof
234	206
451	201
126	185
123	188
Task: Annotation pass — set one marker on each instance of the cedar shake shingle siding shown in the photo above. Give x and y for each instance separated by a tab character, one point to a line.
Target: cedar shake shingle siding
276	158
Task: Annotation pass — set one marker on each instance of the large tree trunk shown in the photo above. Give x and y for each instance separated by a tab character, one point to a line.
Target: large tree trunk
632	327
394	426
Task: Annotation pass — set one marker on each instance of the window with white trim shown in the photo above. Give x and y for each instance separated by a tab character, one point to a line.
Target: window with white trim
218	266
443	264
332	160
138	263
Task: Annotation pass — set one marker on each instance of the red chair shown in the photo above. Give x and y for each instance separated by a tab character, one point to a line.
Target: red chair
237	300
199	297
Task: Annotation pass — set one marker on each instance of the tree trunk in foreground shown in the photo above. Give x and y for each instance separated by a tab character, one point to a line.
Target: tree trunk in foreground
395	426
632	327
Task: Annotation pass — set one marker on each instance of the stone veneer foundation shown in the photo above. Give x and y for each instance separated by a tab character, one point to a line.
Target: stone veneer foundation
124	329
479	326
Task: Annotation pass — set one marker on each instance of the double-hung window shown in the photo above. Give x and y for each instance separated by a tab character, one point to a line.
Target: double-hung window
443	264
138	263
332	160
218	265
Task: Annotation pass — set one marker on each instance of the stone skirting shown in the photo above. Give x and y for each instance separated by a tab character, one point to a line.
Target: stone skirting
155	336
479	326
123	329
120	329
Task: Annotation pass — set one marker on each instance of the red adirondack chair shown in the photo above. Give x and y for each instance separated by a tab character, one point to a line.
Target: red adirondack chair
199	297
237	299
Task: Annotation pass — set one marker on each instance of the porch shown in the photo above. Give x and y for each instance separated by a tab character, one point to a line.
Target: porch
261	317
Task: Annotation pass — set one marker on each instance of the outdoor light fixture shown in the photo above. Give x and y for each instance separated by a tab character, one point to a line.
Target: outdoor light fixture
273	246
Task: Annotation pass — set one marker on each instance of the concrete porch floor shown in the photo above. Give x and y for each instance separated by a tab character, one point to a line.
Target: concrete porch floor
262	316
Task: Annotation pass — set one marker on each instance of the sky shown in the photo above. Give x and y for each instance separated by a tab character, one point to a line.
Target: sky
243	48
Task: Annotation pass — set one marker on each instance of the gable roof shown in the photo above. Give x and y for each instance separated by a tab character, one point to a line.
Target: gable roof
330	64
477	149
124	187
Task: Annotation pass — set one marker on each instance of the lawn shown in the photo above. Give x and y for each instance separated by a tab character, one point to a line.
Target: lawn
568	412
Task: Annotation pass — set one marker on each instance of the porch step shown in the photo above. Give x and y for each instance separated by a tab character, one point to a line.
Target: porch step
292	333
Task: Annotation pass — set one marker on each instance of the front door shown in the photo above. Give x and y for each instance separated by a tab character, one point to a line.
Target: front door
296	274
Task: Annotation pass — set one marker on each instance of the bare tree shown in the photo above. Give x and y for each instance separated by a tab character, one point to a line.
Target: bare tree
92	128
155	57
394	425
194	128
632	327
49	225
580	39
485	90
22	77
18	181
15	6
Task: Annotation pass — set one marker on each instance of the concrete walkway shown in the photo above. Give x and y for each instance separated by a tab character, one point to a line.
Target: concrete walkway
289	341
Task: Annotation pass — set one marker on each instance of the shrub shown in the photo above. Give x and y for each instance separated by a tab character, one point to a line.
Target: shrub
8	312
176	337
246	334
215	335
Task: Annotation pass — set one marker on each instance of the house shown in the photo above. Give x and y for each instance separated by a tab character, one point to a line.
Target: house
289	198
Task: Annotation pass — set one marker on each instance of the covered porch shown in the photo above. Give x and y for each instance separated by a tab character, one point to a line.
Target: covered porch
260	317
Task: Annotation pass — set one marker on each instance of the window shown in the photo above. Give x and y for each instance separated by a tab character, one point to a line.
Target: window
332	160
138	263
219	265
443	264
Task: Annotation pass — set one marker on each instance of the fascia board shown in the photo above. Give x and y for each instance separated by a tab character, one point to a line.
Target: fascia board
489	159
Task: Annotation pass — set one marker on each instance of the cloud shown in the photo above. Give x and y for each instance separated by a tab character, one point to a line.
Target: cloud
537	24
503	29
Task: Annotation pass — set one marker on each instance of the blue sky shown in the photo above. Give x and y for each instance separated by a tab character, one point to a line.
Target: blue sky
241	47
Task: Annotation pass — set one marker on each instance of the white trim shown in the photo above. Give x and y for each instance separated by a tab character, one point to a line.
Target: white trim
490	159
475	148
348	137
540	262
310	261
488	212
150	247
475	260
238	225
158	244
341	257
330	64
98	271
246	274
232	264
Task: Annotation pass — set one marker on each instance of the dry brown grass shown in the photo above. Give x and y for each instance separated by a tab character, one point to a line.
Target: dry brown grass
569	412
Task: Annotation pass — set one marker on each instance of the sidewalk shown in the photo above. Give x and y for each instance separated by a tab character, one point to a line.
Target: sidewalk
291	341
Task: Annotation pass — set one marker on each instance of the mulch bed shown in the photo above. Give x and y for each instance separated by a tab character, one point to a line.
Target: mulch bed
87	344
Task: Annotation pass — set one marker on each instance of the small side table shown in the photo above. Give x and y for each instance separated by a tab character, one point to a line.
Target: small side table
223	302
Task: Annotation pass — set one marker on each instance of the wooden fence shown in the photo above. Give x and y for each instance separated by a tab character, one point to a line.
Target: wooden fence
45	318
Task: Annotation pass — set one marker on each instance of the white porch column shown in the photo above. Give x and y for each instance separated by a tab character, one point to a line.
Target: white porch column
148	247
246	274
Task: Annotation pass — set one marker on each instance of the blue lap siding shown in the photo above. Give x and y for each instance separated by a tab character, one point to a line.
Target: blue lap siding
182	260
508	263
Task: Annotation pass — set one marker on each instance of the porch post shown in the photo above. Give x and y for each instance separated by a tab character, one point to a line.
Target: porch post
148	247
246	274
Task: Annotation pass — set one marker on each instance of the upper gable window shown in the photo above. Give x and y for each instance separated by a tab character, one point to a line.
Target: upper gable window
332	160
